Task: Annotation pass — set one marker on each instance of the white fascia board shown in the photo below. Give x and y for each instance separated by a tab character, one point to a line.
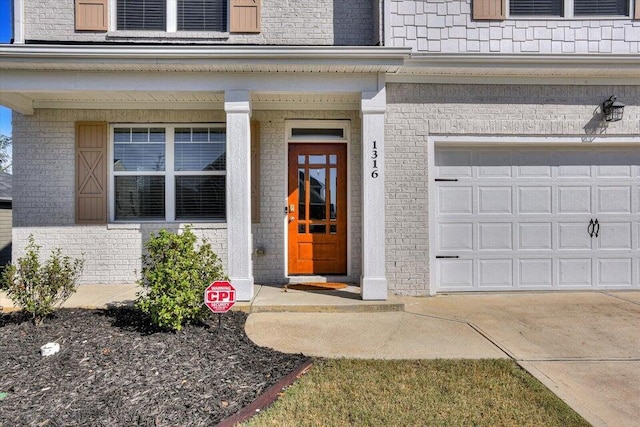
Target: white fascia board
238	54
71	81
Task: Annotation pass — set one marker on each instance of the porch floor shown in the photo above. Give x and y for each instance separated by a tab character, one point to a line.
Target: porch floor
267	298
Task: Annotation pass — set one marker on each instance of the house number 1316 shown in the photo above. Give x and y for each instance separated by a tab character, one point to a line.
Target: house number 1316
374	158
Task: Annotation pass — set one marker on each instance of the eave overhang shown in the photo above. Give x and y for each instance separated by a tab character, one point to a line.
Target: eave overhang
230	59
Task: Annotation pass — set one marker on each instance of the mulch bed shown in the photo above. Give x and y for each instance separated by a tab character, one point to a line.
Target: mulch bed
115	368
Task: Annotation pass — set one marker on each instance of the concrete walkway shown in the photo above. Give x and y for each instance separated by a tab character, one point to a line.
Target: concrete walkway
584	346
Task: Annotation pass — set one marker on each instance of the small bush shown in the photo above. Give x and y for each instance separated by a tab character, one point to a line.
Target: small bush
174	276
39	289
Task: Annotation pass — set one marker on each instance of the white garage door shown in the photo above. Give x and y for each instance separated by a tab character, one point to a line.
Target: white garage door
537	218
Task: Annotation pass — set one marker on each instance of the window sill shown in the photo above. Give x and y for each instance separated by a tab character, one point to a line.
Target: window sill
179	224
178	35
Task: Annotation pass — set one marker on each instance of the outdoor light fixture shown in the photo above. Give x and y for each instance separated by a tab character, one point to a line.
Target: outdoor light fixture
612	109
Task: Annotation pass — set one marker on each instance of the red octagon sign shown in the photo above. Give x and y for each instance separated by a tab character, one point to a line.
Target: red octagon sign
220	297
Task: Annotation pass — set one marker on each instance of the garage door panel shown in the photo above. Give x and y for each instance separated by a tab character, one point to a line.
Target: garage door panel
574	199
495	236
495	200
535	236
495	273
534	200
454	163
573	164
533	164
574	236
615	272
455	236
455	200
455	274
615	235
575	272
535	273
494	164
613	199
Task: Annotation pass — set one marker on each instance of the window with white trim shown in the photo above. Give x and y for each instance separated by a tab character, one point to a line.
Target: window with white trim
569	8
169	173
172	15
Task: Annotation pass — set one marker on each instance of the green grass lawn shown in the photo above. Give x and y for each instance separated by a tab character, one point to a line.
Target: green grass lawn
417	393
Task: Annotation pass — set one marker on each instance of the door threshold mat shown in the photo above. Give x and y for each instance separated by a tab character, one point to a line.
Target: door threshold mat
315	286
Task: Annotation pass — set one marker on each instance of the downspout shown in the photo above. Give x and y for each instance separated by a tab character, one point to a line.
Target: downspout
18	21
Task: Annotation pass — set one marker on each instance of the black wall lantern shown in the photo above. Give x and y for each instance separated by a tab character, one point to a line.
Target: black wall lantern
612	109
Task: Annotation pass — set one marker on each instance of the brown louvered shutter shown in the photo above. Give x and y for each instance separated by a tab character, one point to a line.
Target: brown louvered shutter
245	16
92	15
489	9
255	172
636	9
91	173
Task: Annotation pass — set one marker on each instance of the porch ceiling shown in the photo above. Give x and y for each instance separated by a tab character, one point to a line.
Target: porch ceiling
195	100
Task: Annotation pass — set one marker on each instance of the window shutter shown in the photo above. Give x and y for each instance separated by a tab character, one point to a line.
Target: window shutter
245	16
92	15
255	172
636	8
91	173
489	9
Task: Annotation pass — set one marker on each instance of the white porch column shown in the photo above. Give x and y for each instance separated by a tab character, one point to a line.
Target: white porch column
237	104
373	284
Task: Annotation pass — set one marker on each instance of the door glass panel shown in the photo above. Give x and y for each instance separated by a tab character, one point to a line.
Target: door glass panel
333	192
302	228
317	159
317	228
333	229
301	160
333	159
301	194
317	196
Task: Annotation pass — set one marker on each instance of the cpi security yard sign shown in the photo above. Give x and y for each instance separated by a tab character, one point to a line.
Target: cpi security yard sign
220	297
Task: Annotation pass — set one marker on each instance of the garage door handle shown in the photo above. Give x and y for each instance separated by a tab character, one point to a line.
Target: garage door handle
590	227
596	227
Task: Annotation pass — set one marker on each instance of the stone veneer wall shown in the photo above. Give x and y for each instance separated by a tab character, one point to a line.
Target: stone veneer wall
44	203
284	22
416	112
446	26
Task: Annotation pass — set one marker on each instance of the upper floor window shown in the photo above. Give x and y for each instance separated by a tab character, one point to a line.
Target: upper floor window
164	15
202	15
142	14
563	8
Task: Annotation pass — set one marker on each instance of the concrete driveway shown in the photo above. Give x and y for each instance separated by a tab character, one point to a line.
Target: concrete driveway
585	347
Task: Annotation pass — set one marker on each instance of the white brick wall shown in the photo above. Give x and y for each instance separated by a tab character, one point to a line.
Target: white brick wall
321	22
43	199
415	112
447	27
43	182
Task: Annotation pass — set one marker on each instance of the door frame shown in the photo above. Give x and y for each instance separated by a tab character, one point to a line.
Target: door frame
577	141
345	125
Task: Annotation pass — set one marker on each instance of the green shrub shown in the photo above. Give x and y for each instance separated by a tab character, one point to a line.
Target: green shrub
38	288
174	276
